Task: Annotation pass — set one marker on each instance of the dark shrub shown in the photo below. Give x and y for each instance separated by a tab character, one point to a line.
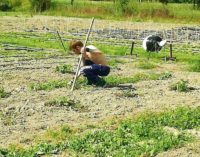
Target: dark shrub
40	5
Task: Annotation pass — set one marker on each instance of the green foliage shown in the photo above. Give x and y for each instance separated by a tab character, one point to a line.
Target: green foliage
146	65
40	5
66	102
49	85
64	68
142	136
3	93
60	101
7	5
164	2
4	5
180	86
115	62
116	80
165	75
195	67
123	5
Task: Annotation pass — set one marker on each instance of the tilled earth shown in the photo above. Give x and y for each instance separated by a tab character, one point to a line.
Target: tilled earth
24	115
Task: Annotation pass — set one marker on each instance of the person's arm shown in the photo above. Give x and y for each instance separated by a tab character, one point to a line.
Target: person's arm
83	52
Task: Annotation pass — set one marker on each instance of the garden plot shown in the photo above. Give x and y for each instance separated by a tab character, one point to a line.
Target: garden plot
38	96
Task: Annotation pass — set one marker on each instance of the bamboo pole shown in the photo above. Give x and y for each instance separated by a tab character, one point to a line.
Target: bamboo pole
81	56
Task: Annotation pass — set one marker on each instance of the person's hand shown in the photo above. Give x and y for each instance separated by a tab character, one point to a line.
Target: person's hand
83	50
70	82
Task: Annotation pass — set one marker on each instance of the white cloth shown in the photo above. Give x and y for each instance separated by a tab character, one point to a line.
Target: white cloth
91	48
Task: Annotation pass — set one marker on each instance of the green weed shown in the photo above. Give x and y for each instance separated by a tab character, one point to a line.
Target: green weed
146	65
3	93
165	75
195	67
180	86
49	85
64	68
66	102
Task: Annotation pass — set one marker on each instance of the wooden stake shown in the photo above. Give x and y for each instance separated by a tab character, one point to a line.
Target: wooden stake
81	56
61	41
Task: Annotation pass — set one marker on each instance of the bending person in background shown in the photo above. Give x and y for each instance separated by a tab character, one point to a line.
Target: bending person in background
94	63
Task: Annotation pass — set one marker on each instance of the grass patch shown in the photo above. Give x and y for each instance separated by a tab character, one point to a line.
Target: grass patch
195	67
166	75
34	39
117	80
181	86
115	62
144	135
49	85
130	93
64	69
66	102
146	65
3	93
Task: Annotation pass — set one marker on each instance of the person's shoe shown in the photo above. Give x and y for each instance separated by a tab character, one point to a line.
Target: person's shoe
89	82
100	83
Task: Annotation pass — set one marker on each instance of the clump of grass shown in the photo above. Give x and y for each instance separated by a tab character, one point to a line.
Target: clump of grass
180	86
195	67
146	65
49	85
127	93
64	69
66	102
3	93
7	118
165	75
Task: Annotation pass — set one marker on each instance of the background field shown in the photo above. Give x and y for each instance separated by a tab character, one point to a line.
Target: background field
149	106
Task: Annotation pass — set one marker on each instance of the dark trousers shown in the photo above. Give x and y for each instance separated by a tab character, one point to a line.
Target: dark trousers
92	72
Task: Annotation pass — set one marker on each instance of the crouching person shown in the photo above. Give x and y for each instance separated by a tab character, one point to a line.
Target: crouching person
94	63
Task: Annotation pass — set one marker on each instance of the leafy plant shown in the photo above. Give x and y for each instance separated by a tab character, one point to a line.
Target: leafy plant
180	86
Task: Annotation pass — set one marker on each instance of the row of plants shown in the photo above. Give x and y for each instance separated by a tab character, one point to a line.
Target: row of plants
43	41
142	135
